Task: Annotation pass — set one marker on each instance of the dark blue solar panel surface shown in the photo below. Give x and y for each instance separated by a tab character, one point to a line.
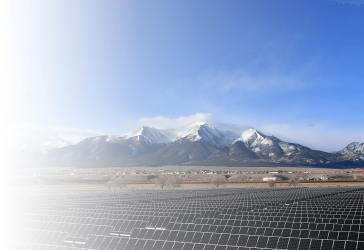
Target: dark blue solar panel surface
189	219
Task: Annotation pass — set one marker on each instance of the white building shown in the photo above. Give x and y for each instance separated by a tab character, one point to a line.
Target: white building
273	178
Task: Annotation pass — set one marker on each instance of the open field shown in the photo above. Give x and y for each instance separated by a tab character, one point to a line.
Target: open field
170	168
192	177
134	186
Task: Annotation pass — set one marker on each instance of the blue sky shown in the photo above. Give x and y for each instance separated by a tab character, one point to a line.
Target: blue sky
107	66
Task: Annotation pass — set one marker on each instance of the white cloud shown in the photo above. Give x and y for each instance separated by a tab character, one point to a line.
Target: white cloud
161	122
355	2
238	128
315	137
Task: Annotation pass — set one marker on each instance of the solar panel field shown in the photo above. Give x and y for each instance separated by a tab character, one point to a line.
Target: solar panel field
187	219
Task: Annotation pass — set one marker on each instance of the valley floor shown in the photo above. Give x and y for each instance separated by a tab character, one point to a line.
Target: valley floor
131	186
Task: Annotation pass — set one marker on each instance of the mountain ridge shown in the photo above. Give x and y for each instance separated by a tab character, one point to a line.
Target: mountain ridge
354	147
207	133
200	143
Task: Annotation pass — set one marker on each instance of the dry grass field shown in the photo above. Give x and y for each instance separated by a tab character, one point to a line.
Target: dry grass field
251	185
132	186
95	179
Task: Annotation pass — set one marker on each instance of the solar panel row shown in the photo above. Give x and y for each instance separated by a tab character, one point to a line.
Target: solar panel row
195	219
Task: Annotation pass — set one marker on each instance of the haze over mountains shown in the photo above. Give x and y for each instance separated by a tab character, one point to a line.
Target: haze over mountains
197	144
38	143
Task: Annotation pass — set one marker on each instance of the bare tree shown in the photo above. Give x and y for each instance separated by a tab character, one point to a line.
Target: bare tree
110	184
174	181
271	183
294	181
304	176
217	180
119	183
233	178
245	177
239	177
161	181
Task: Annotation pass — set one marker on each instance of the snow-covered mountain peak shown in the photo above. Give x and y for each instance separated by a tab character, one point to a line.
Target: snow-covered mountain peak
143	134
148	135
194	124
207	133
194	131
252	133
253	137
268	145
354	147
206	126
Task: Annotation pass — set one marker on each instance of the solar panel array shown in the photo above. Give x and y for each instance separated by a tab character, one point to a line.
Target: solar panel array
189	219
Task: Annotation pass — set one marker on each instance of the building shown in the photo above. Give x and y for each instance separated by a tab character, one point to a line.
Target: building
273	178
276	172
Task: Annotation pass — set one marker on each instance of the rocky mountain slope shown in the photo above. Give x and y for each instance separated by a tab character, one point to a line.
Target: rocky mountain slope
205	145
354	147
199	144
268	146
106	149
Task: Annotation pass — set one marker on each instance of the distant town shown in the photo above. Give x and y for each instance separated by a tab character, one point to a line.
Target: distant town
145	177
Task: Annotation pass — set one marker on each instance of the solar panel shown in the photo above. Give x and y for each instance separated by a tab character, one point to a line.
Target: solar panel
189	219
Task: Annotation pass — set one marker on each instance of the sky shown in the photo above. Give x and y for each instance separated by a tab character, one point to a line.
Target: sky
75	69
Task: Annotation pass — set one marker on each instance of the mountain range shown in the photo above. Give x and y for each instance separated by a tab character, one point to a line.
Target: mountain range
197	144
